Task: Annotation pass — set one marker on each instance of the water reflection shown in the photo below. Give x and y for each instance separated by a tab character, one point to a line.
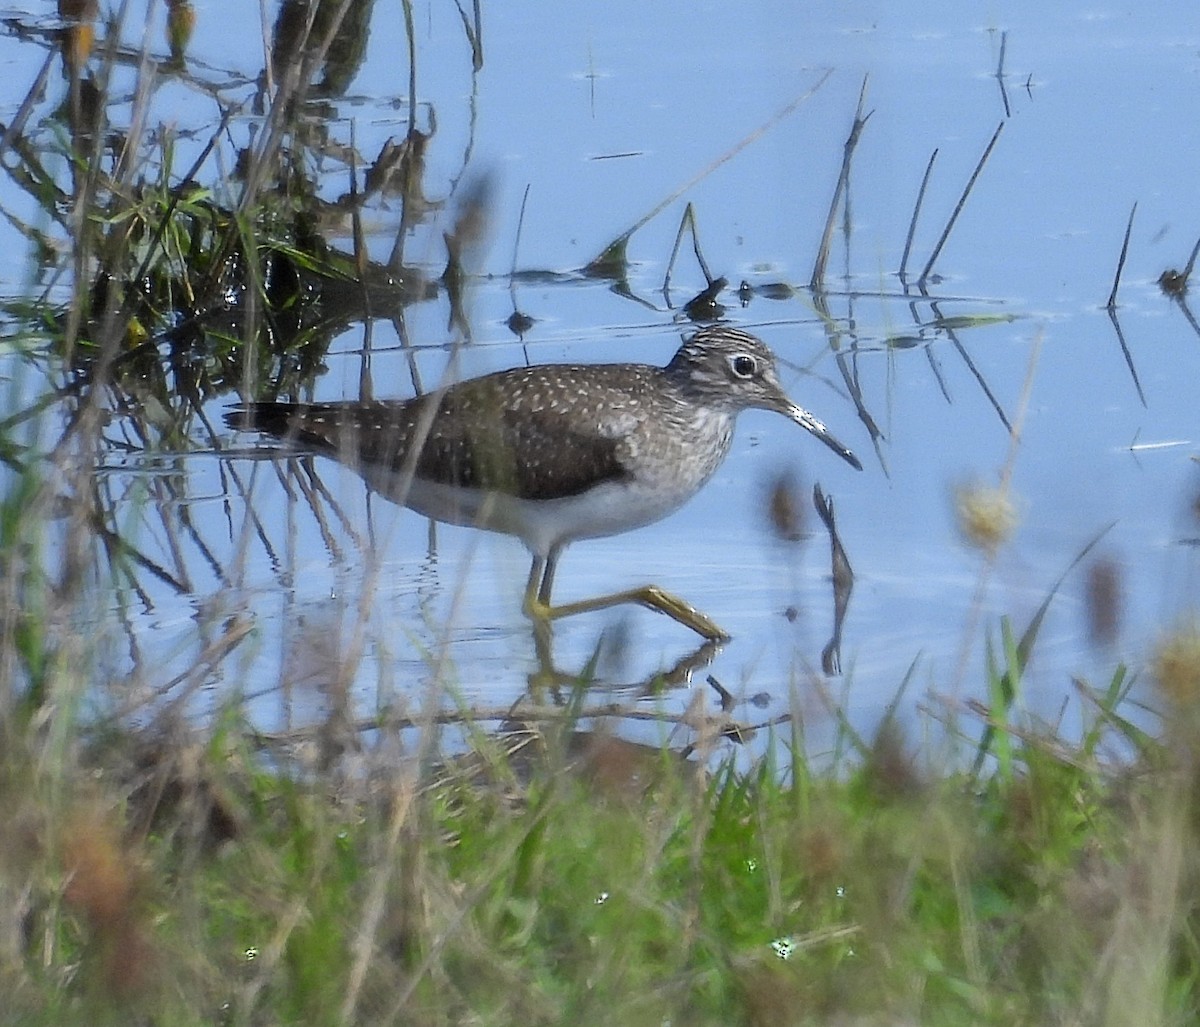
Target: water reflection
205	221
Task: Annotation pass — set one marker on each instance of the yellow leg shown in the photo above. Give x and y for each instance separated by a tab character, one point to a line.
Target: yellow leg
541	581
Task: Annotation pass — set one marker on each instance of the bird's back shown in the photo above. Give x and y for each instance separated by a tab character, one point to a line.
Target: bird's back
548	431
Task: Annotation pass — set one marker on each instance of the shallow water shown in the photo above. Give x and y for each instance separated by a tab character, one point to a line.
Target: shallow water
602	114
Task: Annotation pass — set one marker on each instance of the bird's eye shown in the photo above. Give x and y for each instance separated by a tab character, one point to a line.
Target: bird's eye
744	366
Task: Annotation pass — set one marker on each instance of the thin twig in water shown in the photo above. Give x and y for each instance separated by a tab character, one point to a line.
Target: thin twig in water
1137	384
817	281
366	387
21	118
474	34
1112	296
1187	313
396	259
517	321
912	225
974	369
962	200
531	713
1187	271
688	221
1000	73
843	582
512	271
705	172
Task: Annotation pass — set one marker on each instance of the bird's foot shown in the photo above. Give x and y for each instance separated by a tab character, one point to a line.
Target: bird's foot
650	596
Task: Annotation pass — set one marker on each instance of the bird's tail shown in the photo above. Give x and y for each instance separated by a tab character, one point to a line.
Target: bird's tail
267	417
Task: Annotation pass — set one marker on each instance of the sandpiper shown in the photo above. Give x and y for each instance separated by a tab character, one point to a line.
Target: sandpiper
555	452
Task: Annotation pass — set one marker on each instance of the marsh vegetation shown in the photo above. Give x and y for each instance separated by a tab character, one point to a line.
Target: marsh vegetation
273	750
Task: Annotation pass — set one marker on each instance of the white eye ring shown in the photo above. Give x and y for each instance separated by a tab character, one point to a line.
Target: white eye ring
743	366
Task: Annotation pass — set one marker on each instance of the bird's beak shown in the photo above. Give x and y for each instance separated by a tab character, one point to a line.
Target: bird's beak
806	420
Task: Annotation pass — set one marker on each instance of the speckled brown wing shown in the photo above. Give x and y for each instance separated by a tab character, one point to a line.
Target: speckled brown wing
481	426
469	436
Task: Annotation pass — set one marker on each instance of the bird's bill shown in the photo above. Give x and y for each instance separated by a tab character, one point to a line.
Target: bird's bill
806	420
